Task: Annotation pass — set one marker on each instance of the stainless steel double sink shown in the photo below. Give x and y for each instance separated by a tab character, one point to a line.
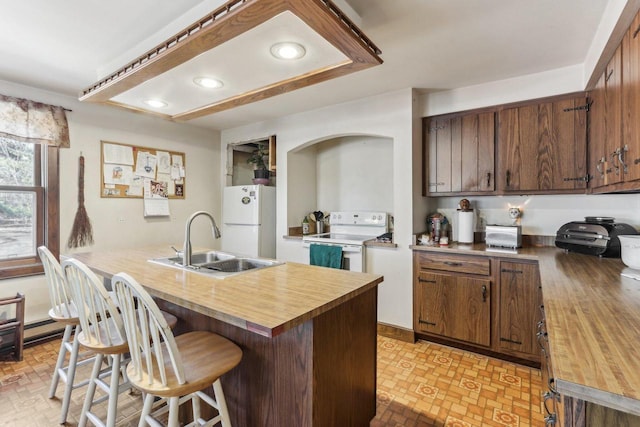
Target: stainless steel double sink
217	264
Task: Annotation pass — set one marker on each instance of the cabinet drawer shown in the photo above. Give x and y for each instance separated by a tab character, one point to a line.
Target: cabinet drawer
454	263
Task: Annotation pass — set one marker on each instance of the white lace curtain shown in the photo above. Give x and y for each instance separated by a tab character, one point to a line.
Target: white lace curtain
29	121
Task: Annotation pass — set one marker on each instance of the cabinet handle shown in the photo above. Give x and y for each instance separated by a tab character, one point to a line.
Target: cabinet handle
453	263
614	157
547	395
598	164
606	79
420	279
508	178
508	270
488	179
484	293
621	152
424	322
550	420
511	341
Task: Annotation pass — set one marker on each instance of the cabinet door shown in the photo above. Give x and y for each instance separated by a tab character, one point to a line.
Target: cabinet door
518	148
477	164
460	154
457	307
597	135
613	119
519	302
438	135
631	99
542	147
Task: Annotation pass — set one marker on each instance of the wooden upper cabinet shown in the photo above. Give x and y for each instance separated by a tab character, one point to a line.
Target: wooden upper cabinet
631	100
598	135
615	170
460	154
542	147
605	126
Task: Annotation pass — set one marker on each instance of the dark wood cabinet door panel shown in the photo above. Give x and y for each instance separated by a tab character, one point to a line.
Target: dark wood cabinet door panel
631	99
454	306
459	154
542	147
519	302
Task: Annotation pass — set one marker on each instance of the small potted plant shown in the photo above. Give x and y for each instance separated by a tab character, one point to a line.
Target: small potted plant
261	173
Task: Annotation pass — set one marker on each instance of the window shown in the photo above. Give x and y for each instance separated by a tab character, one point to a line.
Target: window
28	205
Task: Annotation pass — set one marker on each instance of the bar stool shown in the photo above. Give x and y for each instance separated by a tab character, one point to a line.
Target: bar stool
175	369
64	311
103	333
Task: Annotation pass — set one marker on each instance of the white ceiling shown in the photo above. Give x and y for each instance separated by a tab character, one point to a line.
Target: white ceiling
426	44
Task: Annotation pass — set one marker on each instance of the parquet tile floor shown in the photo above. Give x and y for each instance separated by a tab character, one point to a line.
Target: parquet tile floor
419	385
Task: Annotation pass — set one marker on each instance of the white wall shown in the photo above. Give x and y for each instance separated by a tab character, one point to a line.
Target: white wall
543	215
119	223
353	173
389	116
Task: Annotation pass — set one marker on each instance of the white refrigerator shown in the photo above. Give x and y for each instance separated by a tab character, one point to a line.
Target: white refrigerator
249	220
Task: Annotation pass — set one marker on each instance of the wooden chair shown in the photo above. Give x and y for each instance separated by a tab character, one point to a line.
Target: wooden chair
16	325
63	311
103	333
175	369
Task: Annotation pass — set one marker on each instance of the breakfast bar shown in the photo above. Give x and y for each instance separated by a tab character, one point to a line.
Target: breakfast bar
308	334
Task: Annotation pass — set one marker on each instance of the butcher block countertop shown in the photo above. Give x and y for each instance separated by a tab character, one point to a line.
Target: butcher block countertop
593	322
267	301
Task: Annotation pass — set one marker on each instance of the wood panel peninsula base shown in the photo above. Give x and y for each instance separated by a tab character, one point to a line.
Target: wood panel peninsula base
320	373
308	335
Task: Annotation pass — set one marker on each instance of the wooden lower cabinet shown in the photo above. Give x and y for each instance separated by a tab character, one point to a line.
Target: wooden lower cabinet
457	307
478	302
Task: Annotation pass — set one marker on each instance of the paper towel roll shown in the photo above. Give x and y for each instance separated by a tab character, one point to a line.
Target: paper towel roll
465	226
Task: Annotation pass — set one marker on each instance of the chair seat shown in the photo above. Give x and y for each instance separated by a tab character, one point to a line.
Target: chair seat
58	314
205	357
117	346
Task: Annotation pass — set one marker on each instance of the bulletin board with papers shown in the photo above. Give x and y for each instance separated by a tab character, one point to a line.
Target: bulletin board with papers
131	171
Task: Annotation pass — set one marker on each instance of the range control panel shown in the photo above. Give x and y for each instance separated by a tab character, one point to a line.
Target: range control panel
377	219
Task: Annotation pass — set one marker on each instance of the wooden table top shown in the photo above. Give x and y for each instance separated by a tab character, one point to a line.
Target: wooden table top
593	322
267	301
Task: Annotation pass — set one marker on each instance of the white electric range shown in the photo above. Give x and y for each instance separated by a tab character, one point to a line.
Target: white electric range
350	230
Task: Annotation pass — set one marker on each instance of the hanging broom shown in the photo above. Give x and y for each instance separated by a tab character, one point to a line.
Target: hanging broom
81	233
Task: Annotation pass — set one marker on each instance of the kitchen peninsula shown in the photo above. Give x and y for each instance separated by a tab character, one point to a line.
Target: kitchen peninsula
308	334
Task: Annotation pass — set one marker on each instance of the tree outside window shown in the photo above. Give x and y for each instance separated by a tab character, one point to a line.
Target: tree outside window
24	209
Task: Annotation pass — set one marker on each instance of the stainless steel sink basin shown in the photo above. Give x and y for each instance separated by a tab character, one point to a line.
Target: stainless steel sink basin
236	265
199	259
217	264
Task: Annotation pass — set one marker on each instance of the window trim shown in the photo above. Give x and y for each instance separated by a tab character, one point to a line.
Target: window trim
48	217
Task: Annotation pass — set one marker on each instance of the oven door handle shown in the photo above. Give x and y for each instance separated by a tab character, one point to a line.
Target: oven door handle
345	248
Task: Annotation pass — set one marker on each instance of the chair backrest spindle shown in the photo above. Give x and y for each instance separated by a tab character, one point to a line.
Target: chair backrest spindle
59	293
99	317
149	336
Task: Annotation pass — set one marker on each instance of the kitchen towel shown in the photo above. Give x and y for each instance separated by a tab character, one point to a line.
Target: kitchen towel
325	255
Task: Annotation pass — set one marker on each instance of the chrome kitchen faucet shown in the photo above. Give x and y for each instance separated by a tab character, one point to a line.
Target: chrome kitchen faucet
186	253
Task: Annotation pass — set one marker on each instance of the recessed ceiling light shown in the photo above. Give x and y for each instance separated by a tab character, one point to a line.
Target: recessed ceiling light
155	103
208	82
288	50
